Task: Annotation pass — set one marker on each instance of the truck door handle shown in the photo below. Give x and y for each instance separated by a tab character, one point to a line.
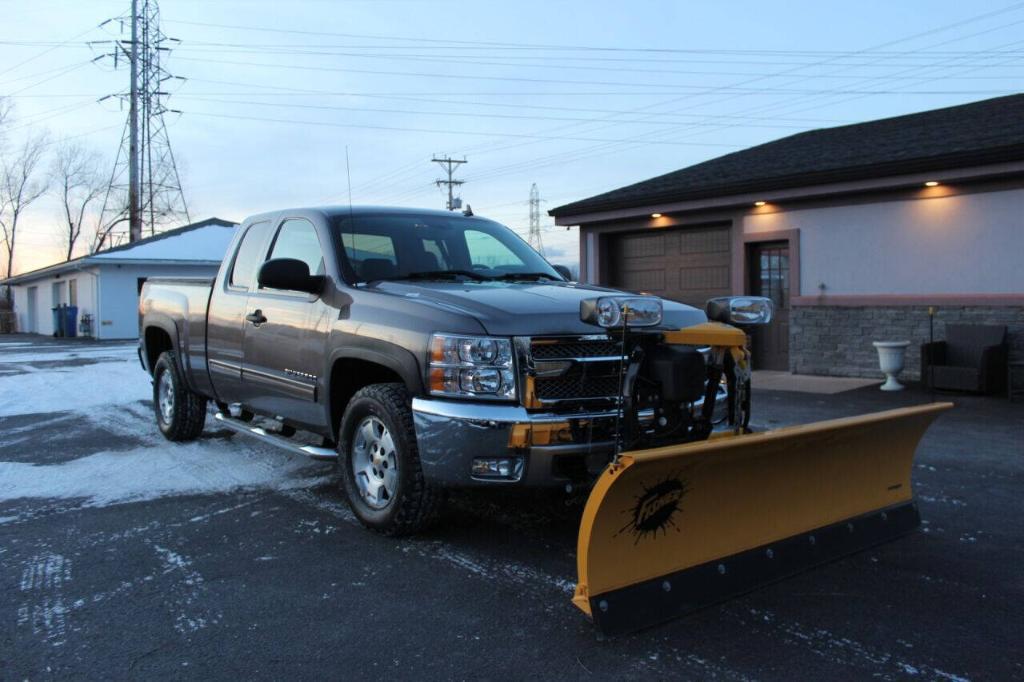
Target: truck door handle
257	317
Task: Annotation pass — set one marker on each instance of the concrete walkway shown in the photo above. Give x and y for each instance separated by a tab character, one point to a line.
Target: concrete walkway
768	380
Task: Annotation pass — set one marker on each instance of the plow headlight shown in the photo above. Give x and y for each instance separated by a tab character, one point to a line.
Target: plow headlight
614	311
471	366
740	309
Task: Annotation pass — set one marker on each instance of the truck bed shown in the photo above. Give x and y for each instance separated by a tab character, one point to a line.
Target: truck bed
178	306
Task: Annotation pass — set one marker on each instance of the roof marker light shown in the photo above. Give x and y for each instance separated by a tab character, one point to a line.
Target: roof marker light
932	183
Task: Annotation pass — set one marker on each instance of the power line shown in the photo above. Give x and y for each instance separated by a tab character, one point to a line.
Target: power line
334	124
600	149
465	114
554	81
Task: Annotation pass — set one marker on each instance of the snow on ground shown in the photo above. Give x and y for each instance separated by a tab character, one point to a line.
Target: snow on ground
73	388
151	472
23	355
108	394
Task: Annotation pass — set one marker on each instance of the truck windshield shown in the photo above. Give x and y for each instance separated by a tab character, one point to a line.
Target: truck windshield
409	246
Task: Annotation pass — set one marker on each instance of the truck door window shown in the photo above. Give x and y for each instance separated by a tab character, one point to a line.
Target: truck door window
485	250
371	255
243	271
297	239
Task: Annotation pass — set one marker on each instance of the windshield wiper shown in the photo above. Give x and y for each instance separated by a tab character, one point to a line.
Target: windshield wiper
524	276
443	274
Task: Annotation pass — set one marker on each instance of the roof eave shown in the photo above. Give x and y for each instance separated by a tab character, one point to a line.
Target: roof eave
747	193
886	170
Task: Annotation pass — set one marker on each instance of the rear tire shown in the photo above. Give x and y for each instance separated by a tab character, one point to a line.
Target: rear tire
379	465
180	412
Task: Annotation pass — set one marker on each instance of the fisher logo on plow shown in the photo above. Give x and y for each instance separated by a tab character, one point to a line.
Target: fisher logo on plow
655	509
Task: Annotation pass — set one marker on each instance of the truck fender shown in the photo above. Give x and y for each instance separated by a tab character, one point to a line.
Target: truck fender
394	357
179	342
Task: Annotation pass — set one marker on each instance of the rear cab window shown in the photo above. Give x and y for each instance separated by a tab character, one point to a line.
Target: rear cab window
248	256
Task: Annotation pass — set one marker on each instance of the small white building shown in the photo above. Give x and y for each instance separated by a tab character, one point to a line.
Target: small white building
105	286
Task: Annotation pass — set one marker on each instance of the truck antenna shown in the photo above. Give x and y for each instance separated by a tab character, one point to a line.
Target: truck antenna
351	216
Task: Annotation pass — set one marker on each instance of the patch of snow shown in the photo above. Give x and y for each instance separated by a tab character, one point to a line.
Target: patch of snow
187	594
152	472
942	499
207	243
73	388
42	586
44	354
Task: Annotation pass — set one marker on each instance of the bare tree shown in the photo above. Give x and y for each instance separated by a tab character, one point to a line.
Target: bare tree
5	112
76	180
19	188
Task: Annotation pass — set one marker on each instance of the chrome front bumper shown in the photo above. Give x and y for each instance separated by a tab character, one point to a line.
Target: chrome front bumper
452	433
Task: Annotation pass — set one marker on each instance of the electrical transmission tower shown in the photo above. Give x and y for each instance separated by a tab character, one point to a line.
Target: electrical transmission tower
450	164
534	236
145	188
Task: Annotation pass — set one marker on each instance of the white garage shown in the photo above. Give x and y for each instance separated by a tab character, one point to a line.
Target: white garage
105	286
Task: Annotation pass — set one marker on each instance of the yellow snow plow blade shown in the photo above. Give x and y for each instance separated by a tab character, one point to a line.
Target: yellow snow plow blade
669	530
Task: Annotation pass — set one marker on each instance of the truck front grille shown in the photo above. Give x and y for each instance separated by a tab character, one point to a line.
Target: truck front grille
593	372
553	349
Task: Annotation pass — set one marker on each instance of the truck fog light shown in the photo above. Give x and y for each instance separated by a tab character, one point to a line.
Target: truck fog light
510	468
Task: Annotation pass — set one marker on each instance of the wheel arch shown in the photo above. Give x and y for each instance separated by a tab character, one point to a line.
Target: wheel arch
353	369
157	337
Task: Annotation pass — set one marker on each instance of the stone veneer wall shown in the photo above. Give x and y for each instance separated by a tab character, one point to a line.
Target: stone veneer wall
836	340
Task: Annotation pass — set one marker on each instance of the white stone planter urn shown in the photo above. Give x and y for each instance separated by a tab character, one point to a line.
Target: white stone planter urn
891	355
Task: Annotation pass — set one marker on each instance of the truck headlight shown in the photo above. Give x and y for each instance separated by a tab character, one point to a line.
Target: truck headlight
612	311
471	366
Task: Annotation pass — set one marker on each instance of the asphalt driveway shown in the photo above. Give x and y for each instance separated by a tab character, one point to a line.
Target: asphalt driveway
122	555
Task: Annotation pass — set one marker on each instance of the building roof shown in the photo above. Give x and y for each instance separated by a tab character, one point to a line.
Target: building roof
979	133
202	243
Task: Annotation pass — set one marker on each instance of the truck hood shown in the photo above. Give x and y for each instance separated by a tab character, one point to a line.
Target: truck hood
522	308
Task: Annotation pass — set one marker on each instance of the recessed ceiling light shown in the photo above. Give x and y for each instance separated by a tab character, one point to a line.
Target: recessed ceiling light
655	215
759	203
931	183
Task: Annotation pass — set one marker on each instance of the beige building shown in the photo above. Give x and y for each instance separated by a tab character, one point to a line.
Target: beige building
854	231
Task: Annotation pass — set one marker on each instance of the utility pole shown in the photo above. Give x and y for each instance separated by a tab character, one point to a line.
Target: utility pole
134	215
449	164
151	198
534	235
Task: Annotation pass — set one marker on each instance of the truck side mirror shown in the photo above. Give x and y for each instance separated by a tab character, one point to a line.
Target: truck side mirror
289	274
564	271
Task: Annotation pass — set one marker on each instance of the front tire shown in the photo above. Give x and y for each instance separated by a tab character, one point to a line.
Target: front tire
180	412
379	466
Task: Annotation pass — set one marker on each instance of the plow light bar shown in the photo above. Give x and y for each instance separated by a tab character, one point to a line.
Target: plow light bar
740	309
615	311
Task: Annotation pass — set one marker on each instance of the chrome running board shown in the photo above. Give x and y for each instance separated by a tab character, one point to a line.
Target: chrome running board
262	434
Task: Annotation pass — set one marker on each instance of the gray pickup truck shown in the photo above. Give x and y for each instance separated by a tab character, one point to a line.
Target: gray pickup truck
421	349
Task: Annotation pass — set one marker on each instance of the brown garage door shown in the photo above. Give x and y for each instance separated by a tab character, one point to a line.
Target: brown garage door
687	264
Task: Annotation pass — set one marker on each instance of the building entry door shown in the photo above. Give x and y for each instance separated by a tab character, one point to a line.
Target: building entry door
33	310
768	265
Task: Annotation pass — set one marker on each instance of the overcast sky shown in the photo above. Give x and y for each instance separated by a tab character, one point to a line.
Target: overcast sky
577	96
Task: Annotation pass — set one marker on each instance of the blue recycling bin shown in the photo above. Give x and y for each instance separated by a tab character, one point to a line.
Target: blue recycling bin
58	321
71	320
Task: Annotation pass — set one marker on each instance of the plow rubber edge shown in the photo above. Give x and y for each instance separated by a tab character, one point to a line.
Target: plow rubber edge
670	530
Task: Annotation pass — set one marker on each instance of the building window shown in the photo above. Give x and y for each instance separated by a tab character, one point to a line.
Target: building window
73	292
